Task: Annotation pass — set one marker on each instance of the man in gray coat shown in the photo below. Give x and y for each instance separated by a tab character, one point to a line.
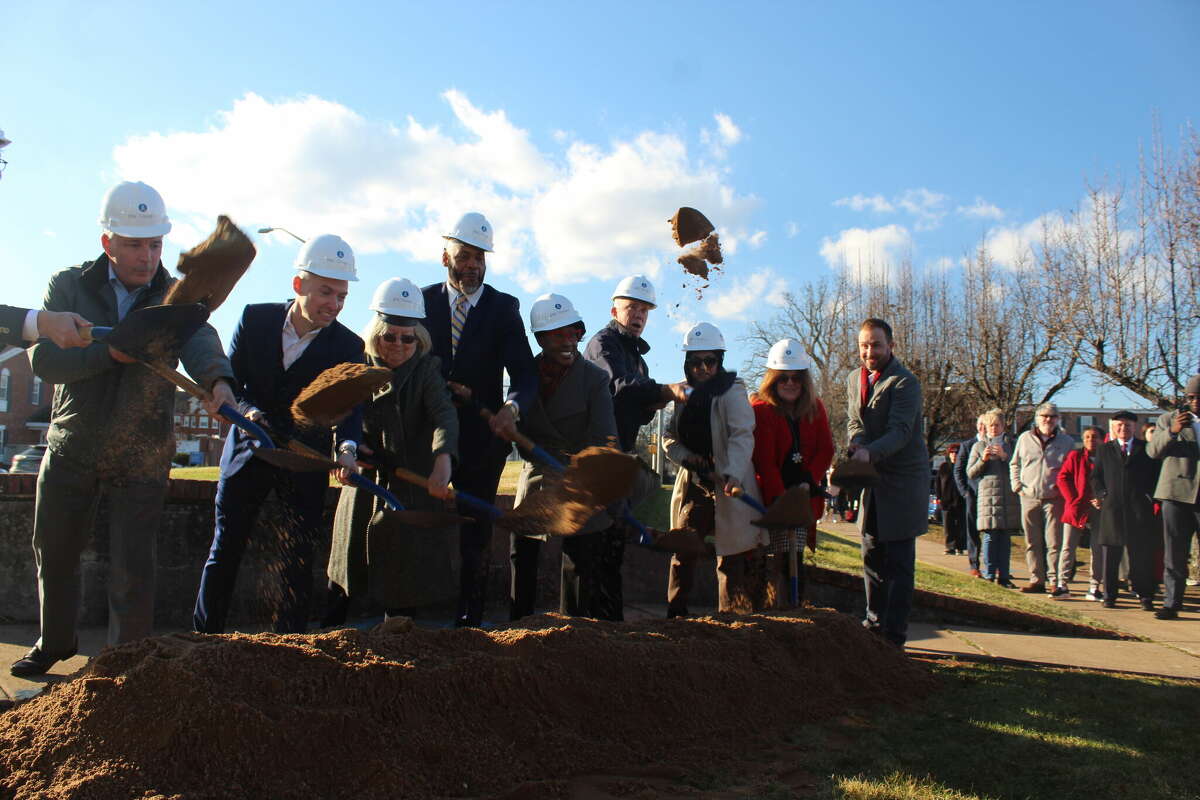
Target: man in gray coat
1033	469
1176	442
885	428
110	431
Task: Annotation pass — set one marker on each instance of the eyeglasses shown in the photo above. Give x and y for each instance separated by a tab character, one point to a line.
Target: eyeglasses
705	361
790	378
403	338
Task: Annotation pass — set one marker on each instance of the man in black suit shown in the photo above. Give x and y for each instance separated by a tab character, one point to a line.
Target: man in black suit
1122	488
478	334
277	350
967	488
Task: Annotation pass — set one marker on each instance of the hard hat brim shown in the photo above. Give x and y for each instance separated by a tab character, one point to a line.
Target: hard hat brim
468	241
639	299
327	273
140	231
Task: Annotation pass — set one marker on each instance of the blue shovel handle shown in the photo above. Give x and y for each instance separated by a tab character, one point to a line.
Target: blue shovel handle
100	332
750	501
377	490
547	459
477	503
644	536
228	412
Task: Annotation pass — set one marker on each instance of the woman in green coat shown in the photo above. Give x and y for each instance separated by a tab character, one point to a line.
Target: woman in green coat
412	423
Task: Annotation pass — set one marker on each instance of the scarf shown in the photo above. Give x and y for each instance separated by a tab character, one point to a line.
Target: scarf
695	428
550	376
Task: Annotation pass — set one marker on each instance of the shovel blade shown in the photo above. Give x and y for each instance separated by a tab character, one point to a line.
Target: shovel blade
157	333
792	509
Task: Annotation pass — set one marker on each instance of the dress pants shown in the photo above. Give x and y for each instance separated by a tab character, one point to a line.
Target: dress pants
1141	568
954	528
479	475
1181	521
240	496
1042	521
591	575
973	539
524	553
64	516
888	577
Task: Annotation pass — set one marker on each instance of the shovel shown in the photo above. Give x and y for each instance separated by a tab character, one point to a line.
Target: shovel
470	499
155	335
306	462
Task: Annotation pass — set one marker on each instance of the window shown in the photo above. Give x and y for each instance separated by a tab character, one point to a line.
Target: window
1086	421
35	392
5	379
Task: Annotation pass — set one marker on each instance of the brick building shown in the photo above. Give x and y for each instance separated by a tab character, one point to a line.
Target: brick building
198	435
24	404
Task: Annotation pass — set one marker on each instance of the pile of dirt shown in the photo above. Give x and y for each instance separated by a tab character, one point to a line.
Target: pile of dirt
335	392
409	712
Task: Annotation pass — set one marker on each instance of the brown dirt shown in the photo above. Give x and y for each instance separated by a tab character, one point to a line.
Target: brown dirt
549	512
335	392
212	268
791	509
689	225
600	475
416	713
694	264
710	249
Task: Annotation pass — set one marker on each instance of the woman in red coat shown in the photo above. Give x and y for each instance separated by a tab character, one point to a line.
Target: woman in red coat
792	444
1078	514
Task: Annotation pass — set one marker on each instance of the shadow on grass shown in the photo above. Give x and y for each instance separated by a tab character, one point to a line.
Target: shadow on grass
1013	732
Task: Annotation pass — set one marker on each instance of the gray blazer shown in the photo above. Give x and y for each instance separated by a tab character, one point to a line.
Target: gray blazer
890	427
1178	479
578	415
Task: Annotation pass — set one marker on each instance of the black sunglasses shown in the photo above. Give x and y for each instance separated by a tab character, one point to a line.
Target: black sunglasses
404	338
788	377
706	361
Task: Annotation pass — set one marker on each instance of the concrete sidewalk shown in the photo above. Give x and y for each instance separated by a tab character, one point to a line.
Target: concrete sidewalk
1172	647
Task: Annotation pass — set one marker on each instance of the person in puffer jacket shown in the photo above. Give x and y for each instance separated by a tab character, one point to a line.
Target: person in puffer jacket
998	511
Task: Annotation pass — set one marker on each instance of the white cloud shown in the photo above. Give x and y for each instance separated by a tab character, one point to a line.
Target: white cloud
861	202
757	239
981	209
928	207
867	254
577	212
747	295
726	135
1012	246
791	229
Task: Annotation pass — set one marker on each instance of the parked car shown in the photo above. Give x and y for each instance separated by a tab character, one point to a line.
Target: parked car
29	459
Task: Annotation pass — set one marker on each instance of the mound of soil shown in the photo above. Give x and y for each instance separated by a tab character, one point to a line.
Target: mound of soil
335	392
409	712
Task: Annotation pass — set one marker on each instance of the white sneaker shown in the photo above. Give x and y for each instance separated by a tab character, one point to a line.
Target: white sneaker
1193	582
1094	594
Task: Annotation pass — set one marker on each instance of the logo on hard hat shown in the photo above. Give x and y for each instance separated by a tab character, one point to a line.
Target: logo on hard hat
787	352
142	207
643	284
404	293
341	253
558	306
483	228
698	333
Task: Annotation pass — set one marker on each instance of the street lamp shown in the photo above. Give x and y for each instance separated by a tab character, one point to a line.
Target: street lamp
282	230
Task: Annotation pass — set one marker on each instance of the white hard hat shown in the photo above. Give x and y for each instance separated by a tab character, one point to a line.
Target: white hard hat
399	297
637	287
787	354
135	210
472	228
550	312
703	336
329	256
4	140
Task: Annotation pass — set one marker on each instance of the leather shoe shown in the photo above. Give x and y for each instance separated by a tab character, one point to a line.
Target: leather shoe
1147	604
1109	603
36	663
1166	613
1037	587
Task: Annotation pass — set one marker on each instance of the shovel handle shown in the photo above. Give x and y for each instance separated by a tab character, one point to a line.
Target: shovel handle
93	332
420	480
374	488
794	566
230	413
527	444
740	494
644	536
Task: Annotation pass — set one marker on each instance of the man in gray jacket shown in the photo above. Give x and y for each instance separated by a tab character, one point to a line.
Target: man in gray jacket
1176	442
885	428
1033	470
110	432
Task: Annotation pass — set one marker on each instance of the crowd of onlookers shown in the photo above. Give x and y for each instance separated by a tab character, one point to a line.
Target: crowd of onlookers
1128	495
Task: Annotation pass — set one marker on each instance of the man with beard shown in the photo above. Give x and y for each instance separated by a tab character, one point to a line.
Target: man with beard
478	334
885	429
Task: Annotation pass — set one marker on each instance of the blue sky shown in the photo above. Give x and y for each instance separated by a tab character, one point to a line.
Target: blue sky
804	131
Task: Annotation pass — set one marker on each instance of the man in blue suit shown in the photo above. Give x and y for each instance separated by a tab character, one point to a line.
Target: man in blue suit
478	334
277	350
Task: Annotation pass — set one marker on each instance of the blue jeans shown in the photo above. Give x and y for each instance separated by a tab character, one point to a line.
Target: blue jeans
997	551
888	578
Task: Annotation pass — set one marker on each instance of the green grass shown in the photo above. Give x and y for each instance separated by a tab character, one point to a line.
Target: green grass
195	473
834	552
991	732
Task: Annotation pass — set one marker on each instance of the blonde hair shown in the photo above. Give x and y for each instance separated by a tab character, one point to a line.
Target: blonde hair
378	326
992	415
806	404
